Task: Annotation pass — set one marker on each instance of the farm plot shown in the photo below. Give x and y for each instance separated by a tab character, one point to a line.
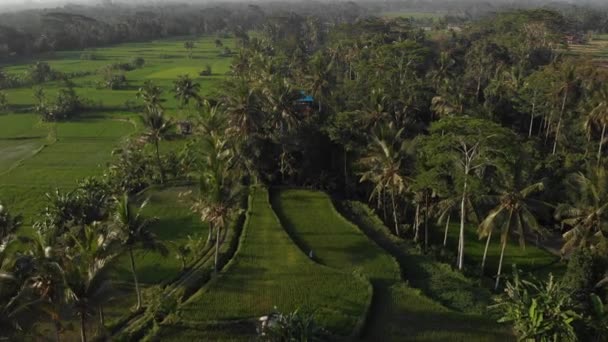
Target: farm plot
398	312
270	272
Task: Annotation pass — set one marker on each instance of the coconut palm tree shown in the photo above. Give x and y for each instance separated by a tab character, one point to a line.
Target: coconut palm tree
598	117
134	231
219	188
243	109
186	89
562	92
512	212
42	262
382	167
158	127
150	94
87	285
586	216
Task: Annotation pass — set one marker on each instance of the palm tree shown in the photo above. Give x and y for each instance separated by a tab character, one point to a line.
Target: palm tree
87	286
135	233
586	215
48	282
243	109
8	224
150	94
382	165
186	89
189	46
447	206
158	127
598	116
319	80
563	89
513	211
219	189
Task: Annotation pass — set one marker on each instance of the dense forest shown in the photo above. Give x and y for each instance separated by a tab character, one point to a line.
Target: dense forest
490	121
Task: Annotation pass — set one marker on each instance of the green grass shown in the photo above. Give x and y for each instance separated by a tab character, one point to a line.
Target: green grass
398	312
335	242
530	259
269	271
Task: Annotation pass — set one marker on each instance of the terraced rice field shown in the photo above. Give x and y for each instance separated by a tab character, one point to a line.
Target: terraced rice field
37	157
269	272
399	312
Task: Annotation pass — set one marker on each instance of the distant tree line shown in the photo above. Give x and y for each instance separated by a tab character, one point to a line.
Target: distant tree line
77	26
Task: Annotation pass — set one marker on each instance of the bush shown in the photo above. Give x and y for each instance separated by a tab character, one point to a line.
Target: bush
138	62
113	80
226	52
206	72
65	106
42	72
582	272
3	102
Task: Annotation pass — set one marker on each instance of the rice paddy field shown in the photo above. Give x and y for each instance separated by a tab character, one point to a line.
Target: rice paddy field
37	157
596	49
269	271
398	312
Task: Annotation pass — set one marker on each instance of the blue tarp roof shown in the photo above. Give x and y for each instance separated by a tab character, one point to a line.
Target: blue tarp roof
305	97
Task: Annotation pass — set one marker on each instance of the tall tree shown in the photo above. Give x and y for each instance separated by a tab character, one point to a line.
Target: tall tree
585	216
598	117
87	285
158	127
470	146
135	233
186	89
381	166
513	212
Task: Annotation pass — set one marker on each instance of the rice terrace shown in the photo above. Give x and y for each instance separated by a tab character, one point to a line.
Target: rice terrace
294	171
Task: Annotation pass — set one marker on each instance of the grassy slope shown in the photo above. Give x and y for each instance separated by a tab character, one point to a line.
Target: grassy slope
399	312
270	271
83	147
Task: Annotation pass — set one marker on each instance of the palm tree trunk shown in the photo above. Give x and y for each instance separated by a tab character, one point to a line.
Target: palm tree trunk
57	326
83	327
102	318
217	247
160	165
485	252
559	122
426	222
462	217
502	254
210	234
532	116
345	171
599	151
447	227
394	212
135	281
417	222
502	250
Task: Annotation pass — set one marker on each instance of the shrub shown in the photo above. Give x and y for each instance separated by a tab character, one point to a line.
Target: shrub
113	80
226	52
206	72
538	310
3	102
138	62
42	72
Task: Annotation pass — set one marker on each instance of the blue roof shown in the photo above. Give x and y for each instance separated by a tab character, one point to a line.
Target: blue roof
305	97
